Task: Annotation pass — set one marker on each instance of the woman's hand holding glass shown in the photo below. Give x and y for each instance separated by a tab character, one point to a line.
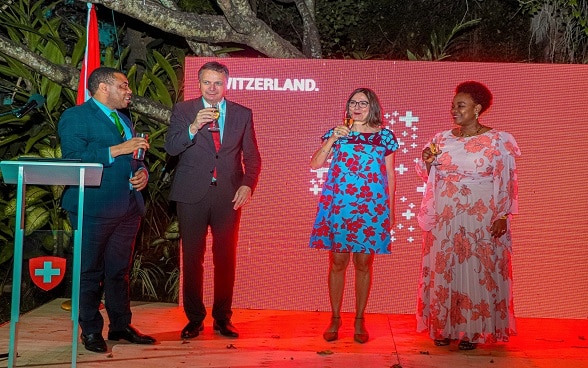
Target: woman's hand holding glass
341	131
430	154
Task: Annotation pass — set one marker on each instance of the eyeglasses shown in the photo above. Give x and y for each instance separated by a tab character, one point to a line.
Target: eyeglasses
361	104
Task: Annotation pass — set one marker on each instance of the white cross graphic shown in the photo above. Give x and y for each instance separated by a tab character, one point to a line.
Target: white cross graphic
47	271
408	214
320	172
409	119
401	169
315	189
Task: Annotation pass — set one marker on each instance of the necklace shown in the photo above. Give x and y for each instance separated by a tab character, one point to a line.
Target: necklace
462	134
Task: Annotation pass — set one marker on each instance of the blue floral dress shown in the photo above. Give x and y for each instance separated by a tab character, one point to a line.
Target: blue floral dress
353	212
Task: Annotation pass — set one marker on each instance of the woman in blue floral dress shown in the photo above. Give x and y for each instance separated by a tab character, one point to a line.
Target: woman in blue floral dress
355	211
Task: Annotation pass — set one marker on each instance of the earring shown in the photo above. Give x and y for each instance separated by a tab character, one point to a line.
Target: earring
477	115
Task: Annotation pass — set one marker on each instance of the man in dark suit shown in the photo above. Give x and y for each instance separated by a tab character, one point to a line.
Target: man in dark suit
210	186
96	132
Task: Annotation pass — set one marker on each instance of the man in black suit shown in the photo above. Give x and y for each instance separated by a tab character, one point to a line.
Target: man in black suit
210	186
96	132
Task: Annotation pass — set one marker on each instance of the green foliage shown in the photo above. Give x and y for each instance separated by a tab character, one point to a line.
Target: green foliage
335	18
577	10
145	276
36	135
561	26
441	43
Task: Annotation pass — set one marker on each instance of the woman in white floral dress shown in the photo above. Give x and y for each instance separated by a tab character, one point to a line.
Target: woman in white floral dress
465	291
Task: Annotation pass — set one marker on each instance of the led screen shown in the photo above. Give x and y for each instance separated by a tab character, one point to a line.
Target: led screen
296	101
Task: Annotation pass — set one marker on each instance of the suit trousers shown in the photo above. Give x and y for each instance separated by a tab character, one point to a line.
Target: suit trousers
216	211
107	251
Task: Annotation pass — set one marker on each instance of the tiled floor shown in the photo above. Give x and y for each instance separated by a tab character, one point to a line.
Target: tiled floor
292	339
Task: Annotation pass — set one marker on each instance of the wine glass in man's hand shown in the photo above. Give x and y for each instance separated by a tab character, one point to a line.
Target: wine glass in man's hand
214	126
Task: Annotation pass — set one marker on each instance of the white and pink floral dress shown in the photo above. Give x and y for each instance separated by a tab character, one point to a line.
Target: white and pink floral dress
465	291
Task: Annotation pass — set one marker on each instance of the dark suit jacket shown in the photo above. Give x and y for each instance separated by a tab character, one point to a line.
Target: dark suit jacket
238	162
86	133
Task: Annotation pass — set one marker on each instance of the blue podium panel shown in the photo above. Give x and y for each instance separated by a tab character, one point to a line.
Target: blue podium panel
46	172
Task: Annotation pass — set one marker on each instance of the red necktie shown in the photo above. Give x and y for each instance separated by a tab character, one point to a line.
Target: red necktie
217	144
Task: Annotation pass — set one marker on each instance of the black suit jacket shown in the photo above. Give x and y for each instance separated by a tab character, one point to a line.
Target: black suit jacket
238	162
86	133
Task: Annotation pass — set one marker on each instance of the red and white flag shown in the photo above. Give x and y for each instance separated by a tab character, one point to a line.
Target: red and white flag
91	57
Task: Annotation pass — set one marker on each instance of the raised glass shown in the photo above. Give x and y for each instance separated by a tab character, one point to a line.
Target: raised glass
214	125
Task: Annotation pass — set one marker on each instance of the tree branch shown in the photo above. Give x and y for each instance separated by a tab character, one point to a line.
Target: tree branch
311	38
68	77
238	25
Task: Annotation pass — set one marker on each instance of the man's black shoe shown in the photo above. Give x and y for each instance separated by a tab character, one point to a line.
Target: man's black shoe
131	335
192	330
226	328
94	342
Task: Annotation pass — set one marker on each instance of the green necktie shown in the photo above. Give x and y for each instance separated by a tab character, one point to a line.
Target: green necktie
118	124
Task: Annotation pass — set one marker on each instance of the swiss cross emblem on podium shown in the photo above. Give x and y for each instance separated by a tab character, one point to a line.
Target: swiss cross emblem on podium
47	272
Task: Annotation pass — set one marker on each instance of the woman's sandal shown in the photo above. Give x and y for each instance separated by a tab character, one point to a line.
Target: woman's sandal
361	338
466	345
332	335
441	342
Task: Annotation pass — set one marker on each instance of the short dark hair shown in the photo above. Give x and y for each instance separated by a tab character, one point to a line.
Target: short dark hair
478	92
103	74
374	117
214	66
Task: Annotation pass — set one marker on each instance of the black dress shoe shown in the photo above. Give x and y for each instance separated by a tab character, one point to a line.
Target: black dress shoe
226	328
94	342
192	329
131	335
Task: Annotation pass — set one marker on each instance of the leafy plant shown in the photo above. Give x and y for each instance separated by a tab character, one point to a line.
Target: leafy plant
441	43
561	26
34	134
40	28
145	276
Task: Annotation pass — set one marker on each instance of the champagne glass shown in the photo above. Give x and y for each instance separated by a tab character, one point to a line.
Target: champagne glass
434	146
348	121
214	126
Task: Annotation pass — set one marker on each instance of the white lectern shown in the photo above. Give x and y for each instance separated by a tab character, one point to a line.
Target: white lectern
47	172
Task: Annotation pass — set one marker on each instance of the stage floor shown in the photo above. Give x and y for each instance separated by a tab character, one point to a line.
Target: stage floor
272	338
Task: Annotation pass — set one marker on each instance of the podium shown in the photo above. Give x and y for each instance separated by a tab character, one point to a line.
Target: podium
47	172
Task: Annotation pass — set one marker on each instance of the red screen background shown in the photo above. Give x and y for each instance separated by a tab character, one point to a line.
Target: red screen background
295	102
